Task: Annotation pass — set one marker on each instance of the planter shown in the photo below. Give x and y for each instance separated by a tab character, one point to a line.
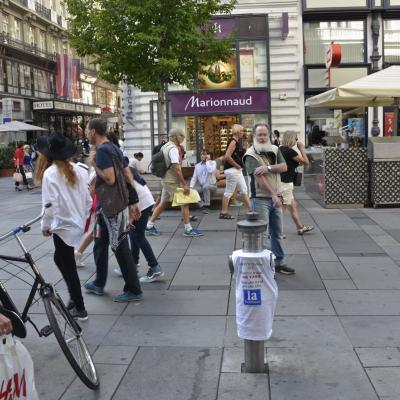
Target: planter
6	172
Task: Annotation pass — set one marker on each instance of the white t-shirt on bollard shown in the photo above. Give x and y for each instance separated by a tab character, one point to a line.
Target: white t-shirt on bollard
256	294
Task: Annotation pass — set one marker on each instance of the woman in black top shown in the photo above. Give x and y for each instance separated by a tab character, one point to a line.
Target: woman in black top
233	172
293	160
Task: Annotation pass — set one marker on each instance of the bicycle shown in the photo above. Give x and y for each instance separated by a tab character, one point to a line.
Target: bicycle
66	330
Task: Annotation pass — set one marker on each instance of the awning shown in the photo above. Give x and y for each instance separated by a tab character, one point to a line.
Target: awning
17	126
379	89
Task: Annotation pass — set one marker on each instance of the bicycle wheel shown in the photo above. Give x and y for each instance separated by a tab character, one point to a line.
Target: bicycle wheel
69	337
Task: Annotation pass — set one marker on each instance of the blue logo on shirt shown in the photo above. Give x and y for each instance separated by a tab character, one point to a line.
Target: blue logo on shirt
252	297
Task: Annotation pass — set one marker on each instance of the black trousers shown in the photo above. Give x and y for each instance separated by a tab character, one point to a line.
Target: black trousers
65	261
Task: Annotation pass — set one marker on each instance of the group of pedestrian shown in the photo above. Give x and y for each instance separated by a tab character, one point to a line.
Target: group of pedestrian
24	160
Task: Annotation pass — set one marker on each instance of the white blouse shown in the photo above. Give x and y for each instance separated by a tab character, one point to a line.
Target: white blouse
70	205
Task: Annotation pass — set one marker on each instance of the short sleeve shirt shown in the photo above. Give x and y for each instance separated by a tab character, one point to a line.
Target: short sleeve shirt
174	155
292	164
104	158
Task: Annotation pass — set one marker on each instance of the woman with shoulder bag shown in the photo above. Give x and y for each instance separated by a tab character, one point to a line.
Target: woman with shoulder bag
65	186
293	160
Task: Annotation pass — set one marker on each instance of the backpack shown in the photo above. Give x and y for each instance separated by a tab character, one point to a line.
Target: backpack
159	165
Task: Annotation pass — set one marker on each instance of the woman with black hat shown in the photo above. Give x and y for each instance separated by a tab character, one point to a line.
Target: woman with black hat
65	186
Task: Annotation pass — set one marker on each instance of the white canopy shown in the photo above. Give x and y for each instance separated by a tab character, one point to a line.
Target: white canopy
379	89
16	126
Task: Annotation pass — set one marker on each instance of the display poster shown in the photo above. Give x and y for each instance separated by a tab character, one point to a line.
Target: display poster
356	127
389	124
247	78
221	75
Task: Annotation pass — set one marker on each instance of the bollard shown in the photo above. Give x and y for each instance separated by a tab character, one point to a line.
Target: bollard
256	292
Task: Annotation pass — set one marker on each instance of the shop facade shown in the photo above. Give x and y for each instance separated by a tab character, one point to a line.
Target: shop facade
368	32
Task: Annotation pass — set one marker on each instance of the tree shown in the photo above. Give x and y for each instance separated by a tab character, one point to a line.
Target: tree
150	43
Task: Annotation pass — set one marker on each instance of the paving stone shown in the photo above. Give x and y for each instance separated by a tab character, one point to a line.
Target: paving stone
395	233
297	302
379	356
334	222
213	243
387	220
331	270
323	254
195	374
372	331
306	276
237	386
179	302
120	355
110	377
167	330
392	251
372	272
212	223
333	284
232	359
195	271
302	332
386	381
366	302
347	241
319	373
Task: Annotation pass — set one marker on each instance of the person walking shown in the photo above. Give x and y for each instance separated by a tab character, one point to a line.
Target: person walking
264	163
19	166
111	230
204	179
65	186
293	160
172	180
136	162
233	165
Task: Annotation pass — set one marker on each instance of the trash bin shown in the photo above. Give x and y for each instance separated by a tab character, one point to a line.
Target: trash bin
256	291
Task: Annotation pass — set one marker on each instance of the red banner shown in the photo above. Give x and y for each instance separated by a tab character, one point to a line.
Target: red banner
389	124
68	72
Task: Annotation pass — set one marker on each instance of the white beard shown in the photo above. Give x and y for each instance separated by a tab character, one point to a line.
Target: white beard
261	147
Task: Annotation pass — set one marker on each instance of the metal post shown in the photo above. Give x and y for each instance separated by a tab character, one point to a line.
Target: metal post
375	26
254	356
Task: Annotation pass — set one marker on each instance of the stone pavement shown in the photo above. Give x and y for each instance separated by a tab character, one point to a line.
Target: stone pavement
336	333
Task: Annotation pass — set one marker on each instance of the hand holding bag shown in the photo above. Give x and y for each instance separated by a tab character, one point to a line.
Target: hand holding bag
298	178
17	177
16	371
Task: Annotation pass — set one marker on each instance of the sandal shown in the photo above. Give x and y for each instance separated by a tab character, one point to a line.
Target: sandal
225	216
193	218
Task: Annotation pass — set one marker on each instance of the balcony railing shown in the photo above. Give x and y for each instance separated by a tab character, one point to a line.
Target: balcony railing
43	11
5	38
23	2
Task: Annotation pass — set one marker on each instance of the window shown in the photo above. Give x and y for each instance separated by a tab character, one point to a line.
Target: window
41	83
5	23
25	79
253	64
391	40
101	97
317	77
12	77
252	26
42	40
17	29
31	36
87	93
222	75
2	76
318	36
16	106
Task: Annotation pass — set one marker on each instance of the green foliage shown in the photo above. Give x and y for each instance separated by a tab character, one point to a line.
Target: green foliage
6	156
149	43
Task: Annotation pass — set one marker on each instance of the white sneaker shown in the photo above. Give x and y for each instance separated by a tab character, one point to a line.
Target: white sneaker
304	229
78	259
118	272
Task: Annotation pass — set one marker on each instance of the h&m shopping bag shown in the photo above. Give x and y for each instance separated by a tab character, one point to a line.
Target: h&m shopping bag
16	371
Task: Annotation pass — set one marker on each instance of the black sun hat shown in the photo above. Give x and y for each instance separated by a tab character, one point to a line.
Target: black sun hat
56	146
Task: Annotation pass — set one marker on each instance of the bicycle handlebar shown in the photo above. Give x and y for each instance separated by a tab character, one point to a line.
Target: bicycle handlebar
24	228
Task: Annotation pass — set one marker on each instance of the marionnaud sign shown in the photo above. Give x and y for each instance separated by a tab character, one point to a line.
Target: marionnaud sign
239	101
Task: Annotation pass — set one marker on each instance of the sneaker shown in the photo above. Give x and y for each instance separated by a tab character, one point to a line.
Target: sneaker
304	229
79	315
118	272
126	297
193	233
153	231
282	268
92	288
78	259
70	305
153	274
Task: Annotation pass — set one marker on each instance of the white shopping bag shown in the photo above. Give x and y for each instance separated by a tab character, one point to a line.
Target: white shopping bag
16	371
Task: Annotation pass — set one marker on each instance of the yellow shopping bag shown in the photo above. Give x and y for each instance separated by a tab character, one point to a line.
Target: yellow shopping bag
180	198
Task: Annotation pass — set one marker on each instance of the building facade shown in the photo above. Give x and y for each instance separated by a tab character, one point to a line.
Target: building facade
368	32
265	84
32	34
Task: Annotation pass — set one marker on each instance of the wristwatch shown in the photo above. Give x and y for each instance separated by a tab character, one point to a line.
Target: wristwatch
269	168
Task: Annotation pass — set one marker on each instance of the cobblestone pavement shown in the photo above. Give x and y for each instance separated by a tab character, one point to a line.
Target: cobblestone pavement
336	332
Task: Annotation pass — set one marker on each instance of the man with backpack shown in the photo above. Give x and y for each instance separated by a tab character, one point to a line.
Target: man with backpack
166	164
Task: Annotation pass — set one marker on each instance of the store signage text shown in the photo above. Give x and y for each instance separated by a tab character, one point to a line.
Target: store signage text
219	102
64	106
43	105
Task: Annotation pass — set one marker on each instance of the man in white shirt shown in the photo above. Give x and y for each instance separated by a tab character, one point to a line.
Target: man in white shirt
172	180
204	179
136	163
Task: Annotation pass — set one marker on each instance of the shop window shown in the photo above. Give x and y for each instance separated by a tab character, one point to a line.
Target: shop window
252	27
391	40
253	64
319	35
222	75
16	106
250	120
318	78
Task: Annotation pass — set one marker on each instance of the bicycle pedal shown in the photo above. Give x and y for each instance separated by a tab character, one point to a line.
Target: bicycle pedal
46	331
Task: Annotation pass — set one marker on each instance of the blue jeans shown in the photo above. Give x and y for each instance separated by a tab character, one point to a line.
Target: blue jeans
273	215
139	241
